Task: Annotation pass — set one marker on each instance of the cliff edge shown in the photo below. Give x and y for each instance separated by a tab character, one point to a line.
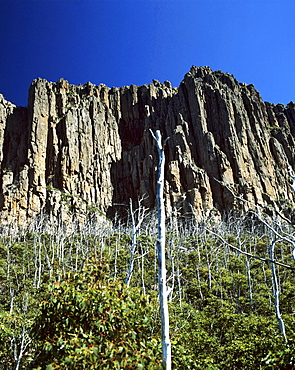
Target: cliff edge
86	149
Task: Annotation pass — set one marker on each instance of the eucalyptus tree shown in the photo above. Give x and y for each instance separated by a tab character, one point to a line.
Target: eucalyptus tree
163	291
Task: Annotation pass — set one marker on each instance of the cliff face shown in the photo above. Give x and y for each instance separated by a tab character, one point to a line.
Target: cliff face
77	149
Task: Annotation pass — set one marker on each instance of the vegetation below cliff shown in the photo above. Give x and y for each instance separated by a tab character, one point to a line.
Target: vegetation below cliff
64	304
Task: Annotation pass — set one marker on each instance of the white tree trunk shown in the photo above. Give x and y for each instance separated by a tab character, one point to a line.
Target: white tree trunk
166	344
276	290
133	247
137	218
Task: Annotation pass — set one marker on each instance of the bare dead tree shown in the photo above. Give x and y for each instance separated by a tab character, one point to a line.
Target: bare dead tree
279	234
276	288
137	218
163	296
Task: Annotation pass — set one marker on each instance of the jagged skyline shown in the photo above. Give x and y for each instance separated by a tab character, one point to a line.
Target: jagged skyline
134	41
81	149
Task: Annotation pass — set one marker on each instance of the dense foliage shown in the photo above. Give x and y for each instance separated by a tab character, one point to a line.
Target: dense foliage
87	322
64	304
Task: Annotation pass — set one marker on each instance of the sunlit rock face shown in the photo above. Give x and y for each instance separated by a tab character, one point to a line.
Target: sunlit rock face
86	149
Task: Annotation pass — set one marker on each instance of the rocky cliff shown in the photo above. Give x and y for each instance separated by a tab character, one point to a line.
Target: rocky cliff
81	149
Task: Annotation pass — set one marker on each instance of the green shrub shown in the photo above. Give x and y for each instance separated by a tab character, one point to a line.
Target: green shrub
87	322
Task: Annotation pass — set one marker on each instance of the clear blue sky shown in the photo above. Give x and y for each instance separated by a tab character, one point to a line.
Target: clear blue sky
123	42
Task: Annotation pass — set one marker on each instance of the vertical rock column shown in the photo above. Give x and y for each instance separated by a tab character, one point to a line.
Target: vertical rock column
39	113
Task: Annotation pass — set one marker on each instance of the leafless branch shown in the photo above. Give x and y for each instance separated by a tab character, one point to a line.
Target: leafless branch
268	260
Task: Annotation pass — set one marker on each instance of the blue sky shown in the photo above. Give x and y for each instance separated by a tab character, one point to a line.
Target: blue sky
123	42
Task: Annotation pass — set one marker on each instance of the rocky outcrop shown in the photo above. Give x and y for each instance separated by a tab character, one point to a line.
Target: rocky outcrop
81	149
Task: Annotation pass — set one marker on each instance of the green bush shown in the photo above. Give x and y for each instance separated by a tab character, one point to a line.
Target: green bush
87	322
218	338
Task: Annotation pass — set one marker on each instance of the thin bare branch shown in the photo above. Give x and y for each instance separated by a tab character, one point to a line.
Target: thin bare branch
268	260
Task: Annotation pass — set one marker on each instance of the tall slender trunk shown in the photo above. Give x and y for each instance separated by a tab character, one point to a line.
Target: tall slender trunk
166	344
133	247
276	290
